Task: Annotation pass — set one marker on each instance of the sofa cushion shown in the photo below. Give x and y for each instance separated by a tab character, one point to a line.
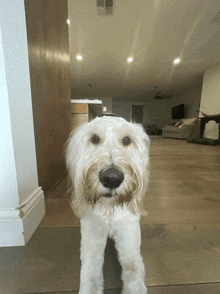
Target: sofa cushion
181	129
189	121
173	135
179	123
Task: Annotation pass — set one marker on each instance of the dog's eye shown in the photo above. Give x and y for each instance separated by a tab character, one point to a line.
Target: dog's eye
126	141
95	139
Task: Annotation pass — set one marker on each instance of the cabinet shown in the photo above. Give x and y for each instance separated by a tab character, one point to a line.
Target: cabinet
84	111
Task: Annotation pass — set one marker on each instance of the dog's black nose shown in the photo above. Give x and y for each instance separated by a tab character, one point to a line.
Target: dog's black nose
111	178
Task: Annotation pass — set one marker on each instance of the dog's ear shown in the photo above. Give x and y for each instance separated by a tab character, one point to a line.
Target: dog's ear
147	141
145	137
139	129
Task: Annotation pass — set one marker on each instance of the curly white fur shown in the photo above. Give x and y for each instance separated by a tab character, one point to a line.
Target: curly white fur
109	142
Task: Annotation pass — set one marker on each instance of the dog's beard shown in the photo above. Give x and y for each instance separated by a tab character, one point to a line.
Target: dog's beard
109	194
94	192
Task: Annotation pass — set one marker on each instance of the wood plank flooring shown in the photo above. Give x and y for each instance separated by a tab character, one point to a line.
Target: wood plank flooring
184	183
180	234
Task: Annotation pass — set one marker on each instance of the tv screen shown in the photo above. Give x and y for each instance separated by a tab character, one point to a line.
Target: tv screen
178	111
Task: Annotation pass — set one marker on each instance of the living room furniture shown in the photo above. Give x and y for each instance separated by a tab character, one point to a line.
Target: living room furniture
152	129
205	119
194	138
84	110
195	131
203	141
181	130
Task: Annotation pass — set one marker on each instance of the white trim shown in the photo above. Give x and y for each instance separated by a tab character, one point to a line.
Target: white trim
9	214
94	101
33	216
18	224
34	195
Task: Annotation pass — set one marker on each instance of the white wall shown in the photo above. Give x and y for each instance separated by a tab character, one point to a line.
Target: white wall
159	111
106	102
210	100
21	200
124	108
9	185
191	98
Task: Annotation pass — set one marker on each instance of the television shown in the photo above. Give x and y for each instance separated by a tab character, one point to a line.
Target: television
178	111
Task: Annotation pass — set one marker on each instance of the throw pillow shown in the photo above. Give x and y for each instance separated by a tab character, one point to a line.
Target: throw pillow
178	124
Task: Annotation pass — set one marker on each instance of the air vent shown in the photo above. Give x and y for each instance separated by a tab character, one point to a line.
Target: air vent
104	7
216	19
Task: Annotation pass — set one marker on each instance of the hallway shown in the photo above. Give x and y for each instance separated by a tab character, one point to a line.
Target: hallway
180	234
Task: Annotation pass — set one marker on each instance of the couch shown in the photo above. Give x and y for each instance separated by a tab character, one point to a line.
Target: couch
152	129
181	130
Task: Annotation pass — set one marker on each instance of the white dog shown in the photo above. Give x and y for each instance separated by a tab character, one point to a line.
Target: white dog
107	160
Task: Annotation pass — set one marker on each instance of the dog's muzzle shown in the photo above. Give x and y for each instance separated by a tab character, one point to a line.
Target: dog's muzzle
111	178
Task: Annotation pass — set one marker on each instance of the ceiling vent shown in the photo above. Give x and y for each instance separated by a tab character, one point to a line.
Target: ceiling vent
104	7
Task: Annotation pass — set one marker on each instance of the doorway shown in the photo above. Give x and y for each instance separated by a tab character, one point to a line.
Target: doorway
137	114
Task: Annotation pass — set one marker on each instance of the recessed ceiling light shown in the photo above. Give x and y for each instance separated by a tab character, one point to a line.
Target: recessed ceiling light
68	21
130	59
79	57
177	60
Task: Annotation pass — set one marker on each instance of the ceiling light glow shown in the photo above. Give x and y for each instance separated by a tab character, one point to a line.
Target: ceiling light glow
130	59
68	21
177	60
79	57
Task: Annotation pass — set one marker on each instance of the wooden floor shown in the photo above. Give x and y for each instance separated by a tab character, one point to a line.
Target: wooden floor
180	234
184	187
184	183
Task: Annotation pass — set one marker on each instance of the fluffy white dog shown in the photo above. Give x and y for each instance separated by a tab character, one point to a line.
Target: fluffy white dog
107	160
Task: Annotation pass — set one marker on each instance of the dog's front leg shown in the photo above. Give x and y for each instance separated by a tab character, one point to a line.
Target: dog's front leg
127	238
93	242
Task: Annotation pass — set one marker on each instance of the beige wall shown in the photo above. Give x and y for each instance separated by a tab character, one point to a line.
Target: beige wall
159	111
191	98
123	108
106	102
48	49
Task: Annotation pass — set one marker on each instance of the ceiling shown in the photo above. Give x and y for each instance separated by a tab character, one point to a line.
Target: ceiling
154	33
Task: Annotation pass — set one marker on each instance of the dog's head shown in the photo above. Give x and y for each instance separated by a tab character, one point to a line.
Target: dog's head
108	162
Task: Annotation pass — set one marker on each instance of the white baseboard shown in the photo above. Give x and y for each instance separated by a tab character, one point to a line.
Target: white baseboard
17	225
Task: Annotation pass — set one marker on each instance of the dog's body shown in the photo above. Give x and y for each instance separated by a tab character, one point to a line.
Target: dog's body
107	161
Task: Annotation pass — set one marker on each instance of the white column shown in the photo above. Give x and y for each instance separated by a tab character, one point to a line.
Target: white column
210	100
22	204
